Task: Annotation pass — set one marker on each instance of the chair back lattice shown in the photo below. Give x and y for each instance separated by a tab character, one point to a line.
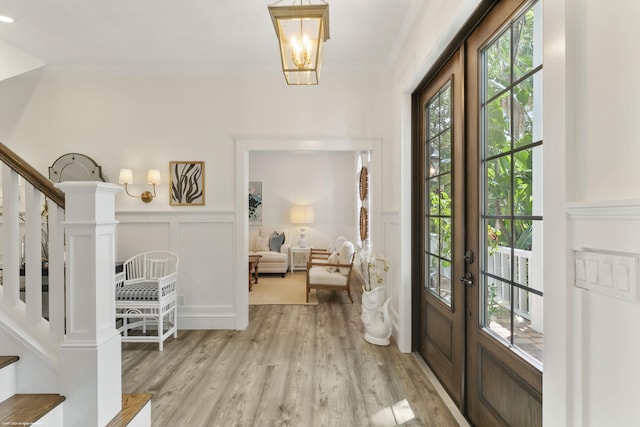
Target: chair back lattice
150	265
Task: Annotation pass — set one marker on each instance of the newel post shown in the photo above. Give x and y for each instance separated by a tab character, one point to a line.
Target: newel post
90	357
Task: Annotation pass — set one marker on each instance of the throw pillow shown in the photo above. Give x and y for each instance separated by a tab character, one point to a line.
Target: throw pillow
276	241
346	252
334	258
262	243
338	243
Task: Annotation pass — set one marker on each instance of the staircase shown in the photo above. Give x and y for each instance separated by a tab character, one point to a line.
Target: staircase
25	409
72	353
47	409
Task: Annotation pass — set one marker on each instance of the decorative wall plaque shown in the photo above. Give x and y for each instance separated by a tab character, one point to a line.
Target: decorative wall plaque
364	224
364	183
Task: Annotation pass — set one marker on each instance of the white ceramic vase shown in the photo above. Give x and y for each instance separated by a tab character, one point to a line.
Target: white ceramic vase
375	316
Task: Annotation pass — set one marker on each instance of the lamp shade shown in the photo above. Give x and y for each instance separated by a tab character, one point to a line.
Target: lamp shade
302	214
301	31
126	176
153	176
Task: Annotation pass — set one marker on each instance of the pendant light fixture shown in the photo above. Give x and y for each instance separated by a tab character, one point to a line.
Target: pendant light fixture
302	29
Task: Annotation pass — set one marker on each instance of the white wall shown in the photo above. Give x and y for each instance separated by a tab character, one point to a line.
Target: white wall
325	180
591	148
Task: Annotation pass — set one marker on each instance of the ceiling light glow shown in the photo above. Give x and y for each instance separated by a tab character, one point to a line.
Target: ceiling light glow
6	19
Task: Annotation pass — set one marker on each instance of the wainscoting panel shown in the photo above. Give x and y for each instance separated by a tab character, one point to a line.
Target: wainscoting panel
206	279
205	244
604	349
133	238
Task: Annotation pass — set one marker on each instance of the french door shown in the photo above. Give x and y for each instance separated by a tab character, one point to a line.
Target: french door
441	150
478	163
504	167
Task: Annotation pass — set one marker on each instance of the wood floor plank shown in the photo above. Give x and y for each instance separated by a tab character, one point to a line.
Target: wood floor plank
294	365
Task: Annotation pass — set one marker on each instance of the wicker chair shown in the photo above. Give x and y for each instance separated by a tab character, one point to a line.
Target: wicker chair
146	295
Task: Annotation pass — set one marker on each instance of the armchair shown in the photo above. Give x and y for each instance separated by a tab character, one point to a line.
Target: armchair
316	254
146	295
323	255
328	274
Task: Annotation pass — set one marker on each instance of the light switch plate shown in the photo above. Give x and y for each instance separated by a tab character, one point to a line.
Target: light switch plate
610	273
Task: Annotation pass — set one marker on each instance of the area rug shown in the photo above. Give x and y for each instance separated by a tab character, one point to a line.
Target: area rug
274	289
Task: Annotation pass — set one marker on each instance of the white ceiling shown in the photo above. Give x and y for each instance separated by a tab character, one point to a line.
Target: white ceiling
229	34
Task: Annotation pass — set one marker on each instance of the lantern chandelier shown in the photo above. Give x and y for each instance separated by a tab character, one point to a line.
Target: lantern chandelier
302	29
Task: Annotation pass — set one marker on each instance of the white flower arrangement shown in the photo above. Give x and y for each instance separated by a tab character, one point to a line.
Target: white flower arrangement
376	266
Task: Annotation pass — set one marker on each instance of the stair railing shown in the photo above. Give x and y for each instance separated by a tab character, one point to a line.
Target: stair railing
32	243
80	328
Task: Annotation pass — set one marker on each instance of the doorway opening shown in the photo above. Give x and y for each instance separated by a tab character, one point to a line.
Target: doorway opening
246	146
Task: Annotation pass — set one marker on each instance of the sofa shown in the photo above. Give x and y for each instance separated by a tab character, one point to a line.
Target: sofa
272	248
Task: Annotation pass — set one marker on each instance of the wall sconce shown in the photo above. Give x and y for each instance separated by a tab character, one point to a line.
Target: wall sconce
153	178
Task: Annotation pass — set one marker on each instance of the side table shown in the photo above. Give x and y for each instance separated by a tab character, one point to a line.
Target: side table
254	260
298	250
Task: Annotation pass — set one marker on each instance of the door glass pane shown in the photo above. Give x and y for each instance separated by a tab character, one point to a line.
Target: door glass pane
498	125
445	151
445	107
524	112
433	119
445	281
498	64
433	198
432	273
438	171
445	238
523	182
498	250
522	234
433	159
434	235
511	277
498	185
528	335
497	308
528	48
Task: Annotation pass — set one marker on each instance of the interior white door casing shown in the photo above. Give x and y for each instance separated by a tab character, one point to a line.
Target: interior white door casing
243	147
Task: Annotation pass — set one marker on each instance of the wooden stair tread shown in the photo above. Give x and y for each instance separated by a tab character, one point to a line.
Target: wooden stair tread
131	405
27	409
7	360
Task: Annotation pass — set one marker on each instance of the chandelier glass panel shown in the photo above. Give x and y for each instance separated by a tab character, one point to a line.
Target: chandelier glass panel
302	31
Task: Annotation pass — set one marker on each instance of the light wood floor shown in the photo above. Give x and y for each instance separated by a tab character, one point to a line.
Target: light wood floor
295	365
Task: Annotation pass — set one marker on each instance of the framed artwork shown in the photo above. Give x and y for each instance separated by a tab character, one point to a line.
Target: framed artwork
186	183
255	202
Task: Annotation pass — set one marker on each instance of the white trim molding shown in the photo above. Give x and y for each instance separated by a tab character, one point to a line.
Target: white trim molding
619	210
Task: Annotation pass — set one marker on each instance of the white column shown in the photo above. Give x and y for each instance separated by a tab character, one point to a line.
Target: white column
90	364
